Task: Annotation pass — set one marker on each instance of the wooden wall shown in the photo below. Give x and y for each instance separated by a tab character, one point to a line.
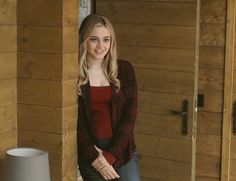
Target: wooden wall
8	51
211	74
47	73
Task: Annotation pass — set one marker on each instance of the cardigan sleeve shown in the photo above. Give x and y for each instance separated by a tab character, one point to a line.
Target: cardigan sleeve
126	126
84	140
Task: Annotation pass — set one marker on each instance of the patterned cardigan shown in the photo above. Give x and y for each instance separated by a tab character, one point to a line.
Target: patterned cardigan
123	111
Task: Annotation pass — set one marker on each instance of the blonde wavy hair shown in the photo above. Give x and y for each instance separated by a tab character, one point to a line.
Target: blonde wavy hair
109	66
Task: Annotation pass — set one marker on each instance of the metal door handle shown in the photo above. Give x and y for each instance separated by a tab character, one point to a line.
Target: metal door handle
234	118
184	114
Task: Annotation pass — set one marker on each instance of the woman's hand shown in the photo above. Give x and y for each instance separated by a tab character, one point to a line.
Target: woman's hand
103	167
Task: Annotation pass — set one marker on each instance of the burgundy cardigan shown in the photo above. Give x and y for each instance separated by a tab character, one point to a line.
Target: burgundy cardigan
124	110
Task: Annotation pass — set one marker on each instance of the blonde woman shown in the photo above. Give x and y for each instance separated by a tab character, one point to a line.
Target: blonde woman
107	106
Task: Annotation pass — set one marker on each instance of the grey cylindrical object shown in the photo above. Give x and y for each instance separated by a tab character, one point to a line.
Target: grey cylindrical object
26	164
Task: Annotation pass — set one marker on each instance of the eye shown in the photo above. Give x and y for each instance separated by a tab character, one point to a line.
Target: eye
106	40
93	39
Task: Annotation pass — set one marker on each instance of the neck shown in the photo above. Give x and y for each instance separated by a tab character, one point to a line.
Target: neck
94	64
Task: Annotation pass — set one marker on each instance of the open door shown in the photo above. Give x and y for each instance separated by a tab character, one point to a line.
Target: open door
160	39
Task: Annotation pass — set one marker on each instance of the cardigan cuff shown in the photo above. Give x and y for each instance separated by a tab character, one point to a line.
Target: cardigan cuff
109	157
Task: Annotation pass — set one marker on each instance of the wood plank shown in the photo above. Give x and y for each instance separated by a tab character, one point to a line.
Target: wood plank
156	168
171	13
69	146
46	141
8	141
208	166
69	166
39	92
213	101
8	92
149	179
8	12
159	0
8	38
213	11
69	96
211	57
233	148
155	35
209	123
228	91
208	145
158	58
165	81
146	144
70	66
210	79
40	12
212	34
56	170
40	39
204	178
8	65
176	150
8	118
213	16
234	83
160	103
160	125
213	4
70	39
39	65
232	170
70	12
69	116
39	118
70	175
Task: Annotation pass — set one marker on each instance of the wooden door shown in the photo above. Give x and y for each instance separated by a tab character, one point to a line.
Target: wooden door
233	132
228	158
159	39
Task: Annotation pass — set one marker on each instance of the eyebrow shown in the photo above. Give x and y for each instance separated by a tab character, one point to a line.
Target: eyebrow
97	37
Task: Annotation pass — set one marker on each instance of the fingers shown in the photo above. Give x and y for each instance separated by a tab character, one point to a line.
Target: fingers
100	163
103	167
109	173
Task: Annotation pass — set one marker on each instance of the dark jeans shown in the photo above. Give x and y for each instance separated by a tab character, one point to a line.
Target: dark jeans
129	172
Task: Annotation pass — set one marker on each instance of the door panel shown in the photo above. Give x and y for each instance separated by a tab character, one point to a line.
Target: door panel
159	39
233	138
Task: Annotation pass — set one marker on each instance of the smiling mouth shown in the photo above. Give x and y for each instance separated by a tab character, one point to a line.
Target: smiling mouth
99	52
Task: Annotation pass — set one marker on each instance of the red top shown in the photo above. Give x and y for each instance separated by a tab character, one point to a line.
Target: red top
101	98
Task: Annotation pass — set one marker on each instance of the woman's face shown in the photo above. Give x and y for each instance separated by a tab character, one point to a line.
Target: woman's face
98	43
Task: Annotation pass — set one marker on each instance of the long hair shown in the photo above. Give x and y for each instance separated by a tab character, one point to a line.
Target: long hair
109	66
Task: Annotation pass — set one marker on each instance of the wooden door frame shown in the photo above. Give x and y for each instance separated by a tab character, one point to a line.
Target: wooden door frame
228	91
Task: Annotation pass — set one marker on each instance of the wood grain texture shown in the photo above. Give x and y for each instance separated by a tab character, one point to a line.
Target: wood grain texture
39	65
8	12
208	166
8	38
228	91
154	35
40	12
8	65
158	58
169	13
40	92
40	39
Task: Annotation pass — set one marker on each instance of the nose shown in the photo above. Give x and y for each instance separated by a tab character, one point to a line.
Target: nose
99	43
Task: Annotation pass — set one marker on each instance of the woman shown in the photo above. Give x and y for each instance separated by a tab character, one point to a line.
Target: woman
107	106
